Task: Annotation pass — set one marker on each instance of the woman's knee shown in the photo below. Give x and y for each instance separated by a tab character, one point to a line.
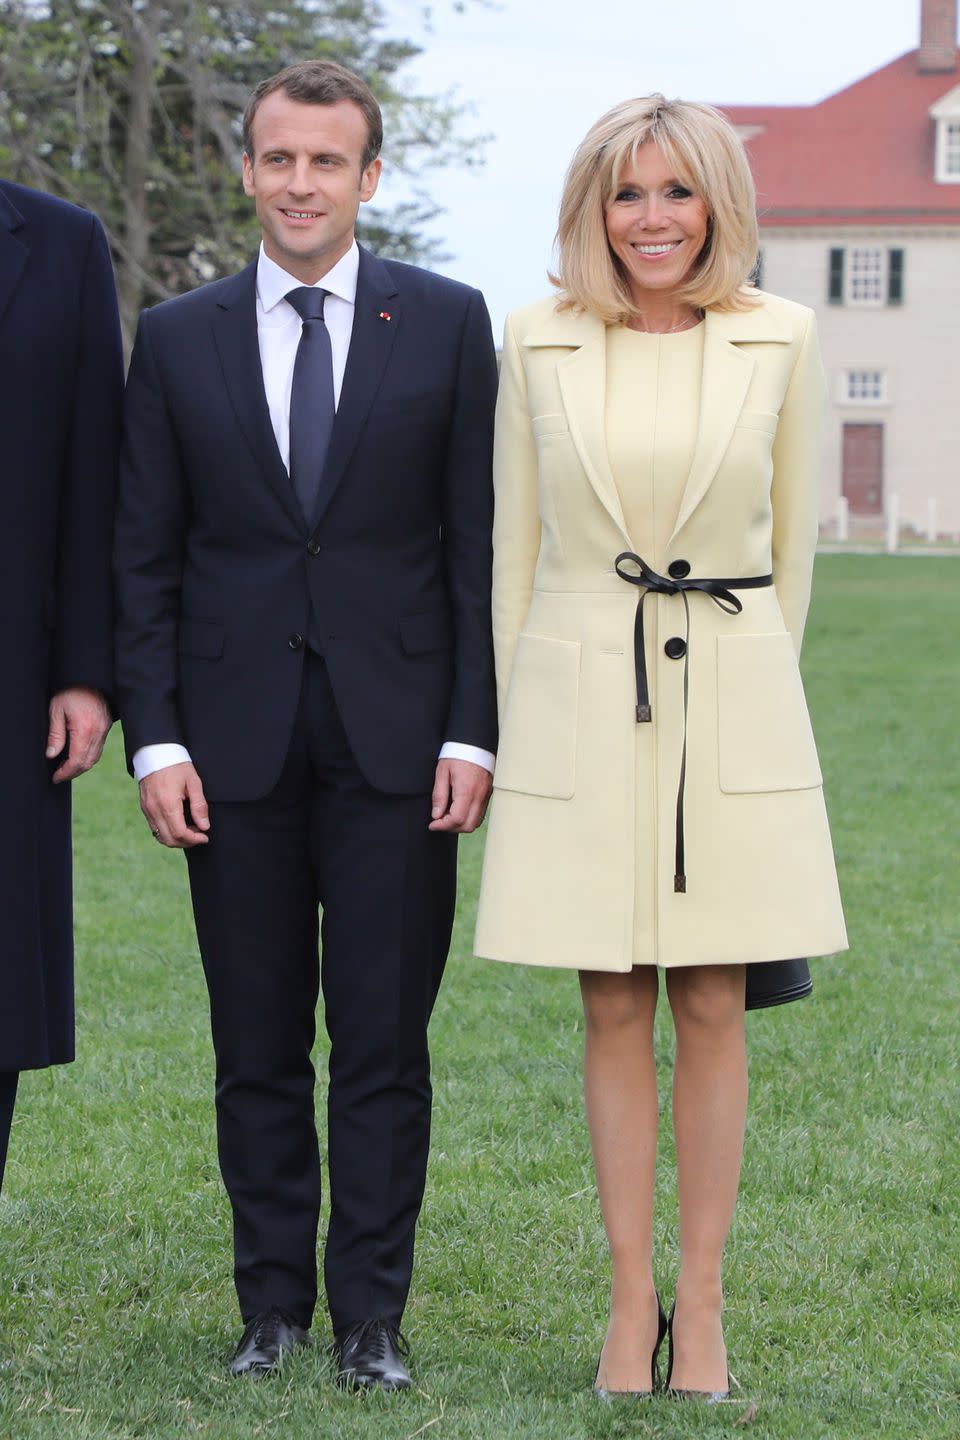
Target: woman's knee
613	1004
707	997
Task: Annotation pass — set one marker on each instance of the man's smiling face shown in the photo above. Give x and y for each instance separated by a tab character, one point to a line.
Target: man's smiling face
307	177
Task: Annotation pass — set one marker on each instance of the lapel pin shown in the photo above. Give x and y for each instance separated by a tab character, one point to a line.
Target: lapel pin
384	315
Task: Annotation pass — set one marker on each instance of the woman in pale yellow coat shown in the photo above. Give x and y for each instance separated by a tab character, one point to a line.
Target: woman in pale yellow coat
658	799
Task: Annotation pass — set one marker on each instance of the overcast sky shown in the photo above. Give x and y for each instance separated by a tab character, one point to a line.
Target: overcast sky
537	73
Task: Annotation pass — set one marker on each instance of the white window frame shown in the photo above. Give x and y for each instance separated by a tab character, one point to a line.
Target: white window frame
877	276
873	390
946	113
948	152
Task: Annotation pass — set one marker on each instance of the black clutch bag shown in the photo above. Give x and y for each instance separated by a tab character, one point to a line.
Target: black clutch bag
777	982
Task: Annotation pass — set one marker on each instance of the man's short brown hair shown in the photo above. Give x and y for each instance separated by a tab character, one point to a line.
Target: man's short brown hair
319	82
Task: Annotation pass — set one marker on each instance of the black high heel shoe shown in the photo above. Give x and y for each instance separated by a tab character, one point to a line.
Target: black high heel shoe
608	1395
709	1397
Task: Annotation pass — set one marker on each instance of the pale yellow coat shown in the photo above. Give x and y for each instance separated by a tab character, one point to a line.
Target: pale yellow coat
566	848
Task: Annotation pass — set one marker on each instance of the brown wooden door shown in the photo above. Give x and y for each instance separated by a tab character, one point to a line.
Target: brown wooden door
863	468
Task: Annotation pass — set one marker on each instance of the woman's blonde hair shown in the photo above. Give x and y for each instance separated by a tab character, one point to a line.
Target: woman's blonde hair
706	154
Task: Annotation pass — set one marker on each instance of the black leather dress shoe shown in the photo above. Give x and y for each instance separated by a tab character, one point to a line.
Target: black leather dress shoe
264	1340
371	1355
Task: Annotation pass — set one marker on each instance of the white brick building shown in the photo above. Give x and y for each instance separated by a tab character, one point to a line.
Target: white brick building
859	201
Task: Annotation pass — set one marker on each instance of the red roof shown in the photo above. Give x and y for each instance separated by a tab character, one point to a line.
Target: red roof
864	156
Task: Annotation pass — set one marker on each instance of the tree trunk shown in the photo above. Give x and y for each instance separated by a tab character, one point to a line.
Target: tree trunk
133	265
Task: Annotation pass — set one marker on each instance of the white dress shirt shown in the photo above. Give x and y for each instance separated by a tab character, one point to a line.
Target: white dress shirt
278	333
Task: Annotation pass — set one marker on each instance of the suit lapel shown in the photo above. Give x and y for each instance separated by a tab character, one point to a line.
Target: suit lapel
235	333
376	320
582	379
727	372
13	252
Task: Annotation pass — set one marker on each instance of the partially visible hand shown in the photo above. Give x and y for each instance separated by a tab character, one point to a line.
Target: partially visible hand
461	791
82	715
167	798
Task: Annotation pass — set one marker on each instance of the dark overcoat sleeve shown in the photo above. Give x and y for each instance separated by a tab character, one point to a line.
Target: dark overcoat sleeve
82	651
148	558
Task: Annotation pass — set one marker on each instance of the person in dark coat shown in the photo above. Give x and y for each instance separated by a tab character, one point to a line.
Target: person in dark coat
61	378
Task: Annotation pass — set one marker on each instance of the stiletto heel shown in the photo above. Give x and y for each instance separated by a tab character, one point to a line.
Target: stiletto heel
608	1395
709	1397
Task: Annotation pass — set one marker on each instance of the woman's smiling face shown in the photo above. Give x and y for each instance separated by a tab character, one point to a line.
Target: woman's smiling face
656	225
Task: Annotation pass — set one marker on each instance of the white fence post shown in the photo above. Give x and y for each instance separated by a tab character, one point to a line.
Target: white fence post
893	523
932	520
843	519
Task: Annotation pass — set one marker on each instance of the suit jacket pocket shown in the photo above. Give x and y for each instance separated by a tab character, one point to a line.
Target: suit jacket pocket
538	737
203	638
765	738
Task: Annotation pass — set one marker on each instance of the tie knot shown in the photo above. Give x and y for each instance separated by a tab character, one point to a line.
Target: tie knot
307	301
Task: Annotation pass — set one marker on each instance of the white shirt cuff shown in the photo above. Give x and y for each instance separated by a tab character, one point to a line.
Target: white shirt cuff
453	750
157	757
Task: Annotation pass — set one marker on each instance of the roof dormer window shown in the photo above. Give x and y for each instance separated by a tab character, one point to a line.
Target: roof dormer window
951	151
946	116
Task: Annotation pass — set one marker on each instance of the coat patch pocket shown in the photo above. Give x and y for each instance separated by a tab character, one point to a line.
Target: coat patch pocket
549	425
538	736
204	638
764	420
764	734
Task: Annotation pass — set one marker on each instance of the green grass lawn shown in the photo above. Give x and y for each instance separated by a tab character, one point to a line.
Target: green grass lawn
117	1309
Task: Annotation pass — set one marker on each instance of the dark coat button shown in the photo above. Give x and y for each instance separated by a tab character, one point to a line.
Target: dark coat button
675	648
295	641
679	569
313	547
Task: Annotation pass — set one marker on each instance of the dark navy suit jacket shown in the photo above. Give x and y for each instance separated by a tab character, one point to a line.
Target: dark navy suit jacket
61	379
220	578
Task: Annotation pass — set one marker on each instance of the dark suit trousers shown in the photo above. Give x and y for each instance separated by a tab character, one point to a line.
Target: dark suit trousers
8	1095
387	885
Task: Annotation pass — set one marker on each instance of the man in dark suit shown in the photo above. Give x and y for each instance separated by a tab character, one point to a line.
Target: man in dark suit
305	680
61	370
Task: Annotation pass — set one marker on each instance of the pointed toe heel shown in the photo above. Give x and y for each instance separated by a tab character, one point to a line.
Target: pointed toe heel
608	1396
706	1397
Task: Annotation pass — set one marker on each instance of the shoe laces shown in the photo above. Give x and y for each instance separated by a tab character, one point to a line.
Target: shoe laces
376	1333
266	1326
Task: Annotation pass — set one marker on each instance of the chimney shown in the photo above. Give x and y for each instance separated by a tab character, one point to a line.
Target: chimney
938	36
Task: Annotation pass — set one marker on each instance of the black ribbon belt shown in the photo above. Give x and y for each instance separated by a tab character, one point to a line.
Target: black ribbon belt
721	593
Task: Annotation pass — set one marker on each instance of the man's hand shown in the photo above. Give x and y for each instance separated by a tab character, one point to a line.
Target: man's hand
172	799
460	795
83	716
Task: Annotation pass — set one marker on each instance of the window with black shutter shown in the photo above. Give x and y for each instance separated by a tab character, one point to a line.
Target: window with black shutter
835	288
895	278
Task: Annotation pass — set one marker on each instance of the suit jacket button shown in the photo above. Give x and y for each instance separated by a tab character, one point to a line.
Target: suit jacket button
675	648
678	569
313	547
295	641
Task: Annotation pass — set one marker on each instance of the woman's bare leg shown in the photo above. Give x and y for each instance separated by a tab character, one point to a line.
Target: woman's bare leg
709	1115
620	1088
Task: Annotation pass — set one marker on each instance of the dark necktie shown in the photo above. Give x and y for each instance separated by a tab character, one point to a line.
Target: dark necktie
311	399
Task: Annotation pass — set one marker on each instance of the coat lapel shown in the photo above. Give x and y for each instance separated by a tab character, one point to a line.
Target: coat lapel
375	325
727	372
582	379
13	252
235	332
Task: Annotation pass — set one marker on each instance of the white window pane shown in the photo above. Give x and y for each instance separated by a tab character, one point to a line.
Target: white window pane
865	387
868	276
